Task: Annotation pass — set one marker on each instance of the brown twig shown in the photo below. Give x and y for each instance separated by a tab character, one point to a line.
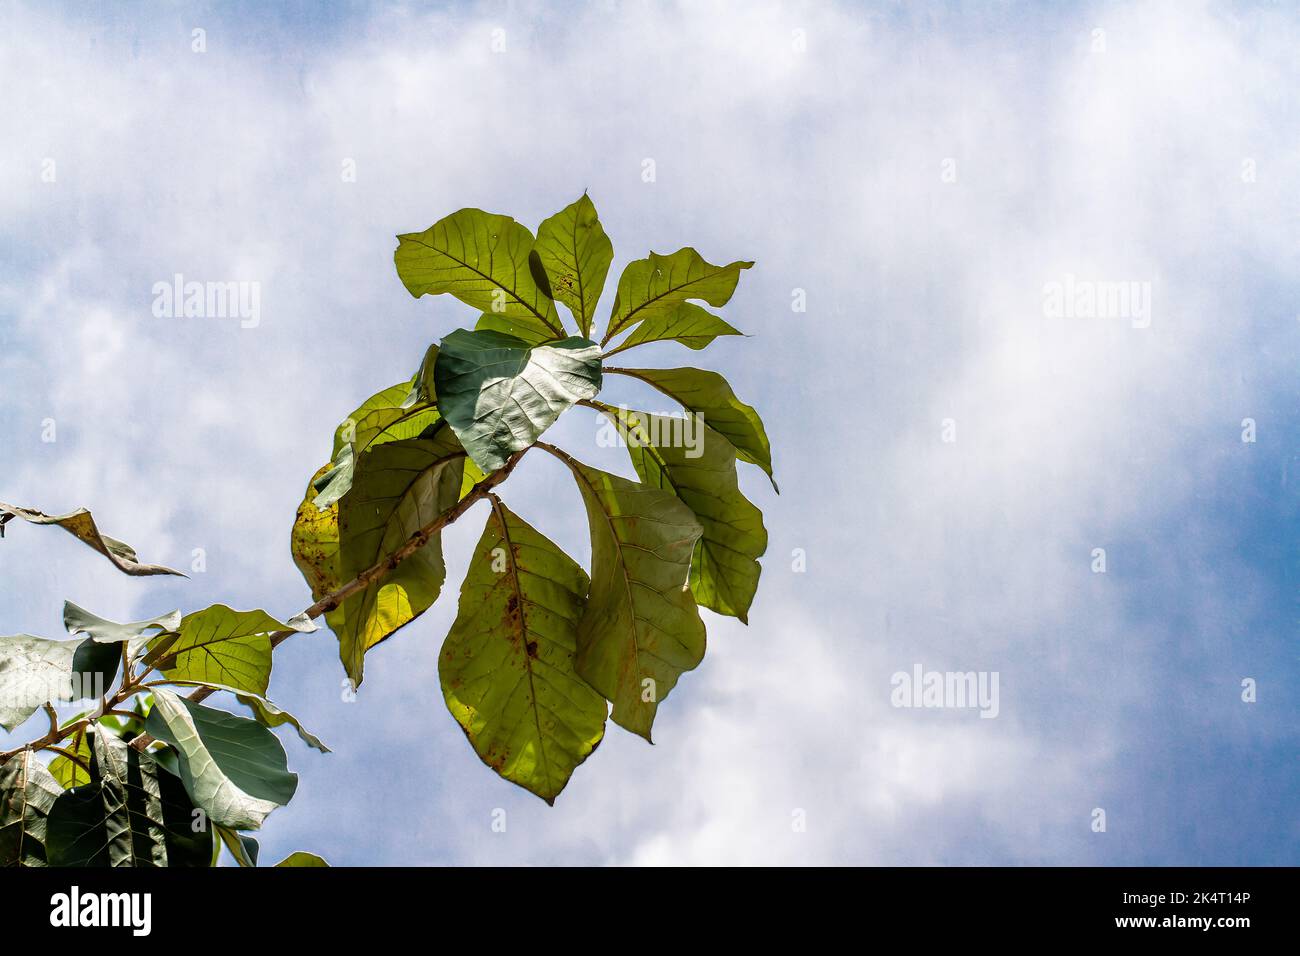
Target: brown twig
380	570
329	602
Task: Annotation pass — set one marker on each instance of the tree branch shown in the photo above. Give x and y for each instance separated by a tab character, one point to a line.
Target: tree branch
380	570
376	572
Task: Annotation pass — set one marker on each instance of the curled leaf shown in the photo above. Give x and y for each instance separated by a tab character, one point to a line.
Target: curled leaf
81	525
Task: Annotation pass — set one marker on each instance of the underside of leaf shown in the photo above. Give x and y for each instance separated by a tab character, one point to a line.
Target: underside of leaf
500	393
81	525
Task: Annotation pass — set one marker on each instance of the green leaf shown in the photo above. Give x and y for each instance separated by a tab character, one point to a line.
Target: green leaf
374	415
686	323
97	659
709	394
242	847
394	414
266	713
133	813
488	322
33	670
82	526
700	469
94	667
420	391
399	488
80	621
302	858
507	666
67	772
473	475
96	662
27	794
486	261
232	767
224	645
641	629
657	284
500	393
336	480
576	254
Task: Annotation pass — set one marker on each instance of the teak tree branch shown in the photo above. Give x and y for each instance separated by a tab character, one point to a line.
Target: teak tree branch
376	572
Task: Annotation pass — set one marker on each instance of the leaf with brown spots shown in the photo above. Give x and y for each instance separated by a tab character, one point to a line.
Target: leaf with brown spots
507	666
81	525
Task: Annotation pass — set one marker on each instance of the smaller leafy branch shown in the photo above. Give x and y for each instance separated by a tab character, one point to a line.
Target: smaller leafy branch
541	652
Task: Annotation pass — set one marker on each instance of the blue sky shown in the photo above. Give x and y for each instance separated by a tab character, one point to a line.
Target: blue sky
1161	150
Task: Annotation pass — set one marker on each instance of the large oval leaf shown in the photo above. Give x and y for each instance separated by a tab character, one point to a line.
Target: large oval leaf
232	767
27	794
507	667
499	393
398	412
641	629
709	394
132	813
225	646
484	260
399	488
576	254
32	671
698	465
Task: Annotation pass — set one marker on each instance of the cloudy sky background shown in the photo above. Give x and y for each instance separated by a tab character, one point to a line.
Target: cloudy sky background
1119	155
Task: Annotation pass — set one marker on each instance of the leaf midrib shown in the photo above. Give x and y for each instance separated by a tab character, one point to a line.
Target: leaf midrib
497	512
623	322
494	281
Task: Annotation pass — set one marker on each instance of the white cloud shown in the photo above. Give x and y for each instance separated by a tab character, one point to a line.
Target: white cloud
925	302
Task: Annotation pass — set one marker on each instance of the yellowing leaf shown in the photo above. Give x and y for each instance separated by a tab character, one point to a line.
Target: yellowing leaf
399	488
224	646
507	667
81	525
